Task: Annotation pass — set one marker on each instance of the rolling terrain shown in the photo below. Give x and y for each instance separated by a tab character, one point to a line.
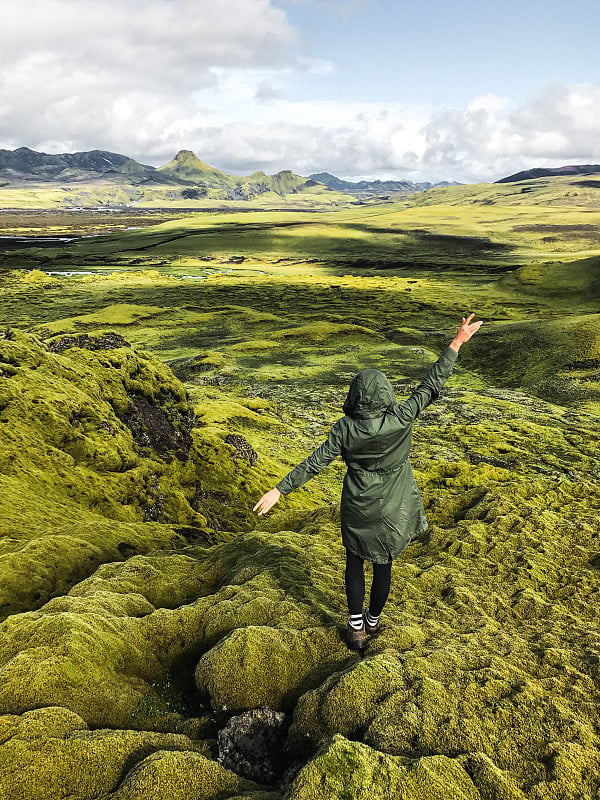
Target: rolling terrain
155	382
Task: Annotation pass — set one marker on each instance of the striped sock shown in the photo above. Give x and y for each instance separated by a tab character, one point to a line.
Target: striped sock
371	620
356	621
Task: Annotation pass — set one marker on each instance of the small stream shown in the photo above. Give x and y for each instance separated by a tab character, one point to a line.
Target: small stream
63	273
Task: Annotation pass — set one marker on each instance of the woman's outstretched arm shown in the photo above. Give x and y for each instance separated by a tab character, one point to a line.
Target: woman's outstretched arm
316	461
430	387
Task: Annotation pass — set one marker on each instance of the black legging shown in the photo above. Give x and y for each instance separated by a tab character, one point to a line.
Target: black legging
355	585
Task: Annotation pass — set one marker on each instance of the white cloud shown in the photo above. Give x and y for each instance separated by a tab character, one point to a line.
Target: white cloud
68	67
145	43
489	138
149	78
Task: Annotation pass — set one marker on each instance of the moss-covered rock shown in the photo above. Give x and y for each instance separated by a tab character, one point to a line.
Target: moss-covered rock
263	666
50	752
131	627
184	776
353	771
94	431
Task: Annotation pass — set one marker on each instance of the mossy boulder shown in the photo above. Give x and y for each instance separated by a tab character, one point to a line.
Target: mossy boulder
263	666
353	771
183	776
50	752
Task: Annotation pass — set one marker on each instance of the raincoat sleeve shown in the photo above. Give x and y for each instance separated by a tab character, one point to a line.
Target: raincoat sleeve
430	387
316	461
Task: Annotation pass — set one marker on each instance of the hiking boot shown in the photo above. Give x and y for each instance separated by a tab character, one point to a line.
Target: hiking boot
356	639
370	629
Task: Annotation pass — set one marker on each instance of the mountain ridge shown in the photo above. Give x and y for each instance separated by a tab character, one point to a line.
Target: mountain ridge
552	172
101	177
197	179
340	185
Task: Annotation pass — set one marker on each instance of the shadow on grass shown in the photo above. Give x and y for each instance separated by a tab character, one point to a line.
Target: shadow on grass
358	244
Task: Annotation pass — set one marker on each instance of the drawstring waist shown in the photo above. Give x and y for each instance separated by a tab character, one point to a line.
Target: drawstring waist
377	471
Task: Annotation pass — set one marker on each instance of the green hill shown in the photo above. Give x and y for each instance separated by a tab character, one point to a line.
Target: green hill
553	191
188	168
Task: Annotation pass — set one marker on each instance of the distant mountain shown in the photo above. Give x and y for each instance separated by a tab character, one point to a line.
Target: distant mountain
186	169
374	186
24	161
348	186
552	172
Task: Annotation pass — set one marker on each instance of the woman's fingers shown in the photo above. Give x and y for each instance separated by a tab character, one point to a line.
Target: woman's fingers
259	506
266	506
467	328
262	506
267	501
466	321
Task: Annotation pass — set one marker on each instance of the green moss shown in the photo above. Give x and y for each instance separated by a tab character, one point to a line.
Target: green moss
114	315
50	752
97	435
490	781
482	679
276	665
181	776
557	359
350	770
129	626
319	331
346	702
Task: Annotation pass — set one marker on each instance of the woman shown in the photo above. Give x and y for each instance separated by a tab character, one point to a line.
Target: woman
381	508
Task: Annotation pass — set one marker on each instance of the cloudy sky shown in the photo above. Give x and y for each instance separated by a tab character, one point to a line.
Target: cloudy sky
465	90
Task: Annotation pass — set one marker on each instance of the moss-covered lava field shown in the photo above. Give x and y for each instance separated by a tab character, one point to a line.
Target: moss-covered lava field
155	382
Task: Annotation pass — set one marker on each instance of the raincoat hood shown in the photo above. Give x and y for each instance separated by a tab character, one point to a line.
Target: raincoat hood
370	394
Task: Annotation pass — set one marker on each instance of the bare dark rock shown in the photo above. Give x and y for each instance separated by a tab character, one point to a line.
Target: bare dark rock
212	503
253	745
162	430
505	463
105	341
201	495
242	449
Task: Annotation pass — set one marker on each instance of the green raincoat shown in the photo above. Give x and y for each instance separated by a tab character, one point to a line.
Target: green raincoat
381	508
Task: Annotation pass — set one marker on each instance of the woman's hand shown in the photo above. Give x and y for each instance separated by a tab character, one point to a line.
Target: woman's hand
267	501
465	330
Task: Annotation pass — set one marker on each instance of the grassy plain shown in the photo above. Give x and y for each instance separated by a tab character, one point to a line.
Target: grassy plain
106	193
404	272
147	572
